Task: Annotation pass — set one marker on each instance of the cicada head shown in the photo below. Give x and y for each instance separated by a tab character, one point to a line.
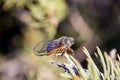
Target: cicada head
68	41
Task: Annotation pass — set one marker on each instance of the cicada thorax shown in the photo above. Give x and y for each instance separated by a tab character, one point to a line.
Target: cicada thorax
66	41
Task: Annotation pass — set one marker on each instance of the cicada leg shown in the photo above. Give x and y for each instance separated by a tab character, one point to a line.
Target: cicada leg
71	50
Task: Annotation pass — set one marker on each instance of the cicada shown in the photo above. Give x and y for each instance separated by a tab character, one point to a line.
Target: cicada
61	45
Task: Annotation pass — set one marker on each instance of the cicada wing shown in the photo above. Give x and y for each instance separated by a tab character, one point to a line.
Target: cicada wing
41	48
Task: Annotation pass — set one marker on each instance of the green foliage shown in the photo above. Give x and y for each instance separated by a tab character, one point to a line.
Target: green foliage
42	11
41	17
111	70
37	20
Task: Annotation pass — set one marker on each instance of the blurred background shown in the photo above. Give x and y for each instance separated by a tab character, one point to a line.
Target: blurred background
24	23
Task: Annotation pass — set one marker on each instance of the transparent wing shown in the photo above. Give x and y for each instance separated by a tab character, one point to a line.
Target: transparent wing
41	48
